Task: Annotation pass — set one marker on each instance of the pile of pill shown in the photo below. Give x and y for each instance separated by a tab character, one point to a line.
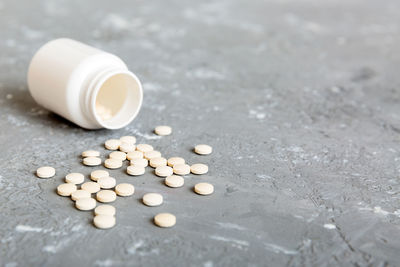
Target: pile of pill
104	189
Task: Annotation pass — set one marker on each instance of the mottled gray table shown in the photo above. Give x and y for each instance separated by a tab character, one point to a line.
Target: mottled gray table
300	100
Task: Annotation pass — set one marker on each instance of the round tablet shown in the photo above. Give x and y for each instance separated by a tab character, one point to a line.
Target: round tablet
66	190
113	163
91	187
45	172
128	139
112	144
175	160
106	196
106	182
152	199
165	220
181	169
144	148
199	168
125	147
104	221
91	161
163	130
117	155
157	162
90	153
124	190
152	154
140	162
203	149
135	170
174	181
204	188
75	178
85	203
163	171
104	209
134	155
78	194
97	174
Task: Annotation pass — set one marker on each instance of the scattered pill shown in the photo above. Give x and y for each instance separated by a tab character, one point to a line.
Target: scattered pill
134	155
140	162
128	139
157	162
90	153
97	174
124	190
126	147
66	190
91	187
75	178
165	220
181	169
175	160
106	182
45	172
104	209
163	171
106	196
117	155
174	181
135	170
163	130
85	203
152	199
199	168
113	163
152	154
112	144
92	161
78	194
203	149
144	148
104	221
204	188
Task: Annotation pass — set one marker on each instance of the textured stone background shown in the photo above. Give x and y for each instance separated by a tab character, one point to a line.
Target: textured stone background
300	100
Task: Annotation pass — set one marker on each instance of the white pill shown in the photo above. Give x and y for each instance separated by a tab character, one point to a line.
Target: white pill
112	144
175	160
163	130
97	174
104	209
117	155
113	163
92	161
106	182
104	221
181	169
165	220
135	170
174	181
140	162
106	196
203	149
66	190
204	188
85	203
128	139
124	190
45	172
91	187
152	154
134	155
199	168
157	162
75	178
163	171
152	199
90	153
78	194
126	147
144	148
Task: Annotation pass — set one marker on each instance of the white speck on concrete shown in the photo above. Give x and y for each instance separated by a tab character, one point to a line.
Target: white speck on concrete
26	228
230	226
141	248
104	263
235	242
116	21
205	74
379	210
11	264
208	264
330	226
278	249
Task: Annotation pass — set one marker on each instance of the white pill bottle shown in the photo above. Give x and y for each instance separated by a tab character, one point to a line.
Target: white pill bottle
90	87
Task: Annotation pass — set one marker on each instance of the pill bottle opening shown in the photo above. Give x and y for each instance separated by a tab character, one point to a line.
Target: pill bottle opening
118	100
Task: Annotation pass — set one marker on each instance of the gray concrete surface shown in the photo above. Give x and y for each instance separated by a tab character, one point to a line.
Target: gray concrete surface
300	100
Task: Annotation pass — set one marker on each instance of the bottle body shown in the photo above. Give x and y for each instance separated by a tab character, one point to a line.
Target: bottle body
82	83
